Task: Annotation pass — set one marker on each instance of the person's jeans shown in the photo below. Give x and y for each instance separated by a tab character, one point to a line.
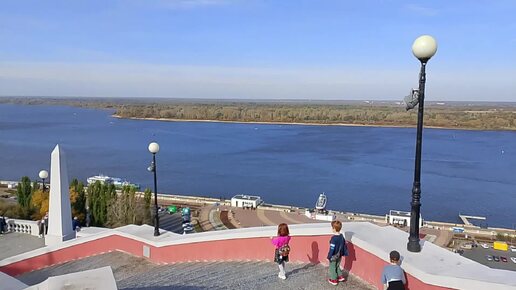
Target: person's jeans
334	270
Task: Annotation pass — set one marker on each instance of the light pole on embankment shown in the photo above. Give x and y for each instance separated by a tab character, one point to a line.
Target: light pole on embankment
43	174
424	48
154	148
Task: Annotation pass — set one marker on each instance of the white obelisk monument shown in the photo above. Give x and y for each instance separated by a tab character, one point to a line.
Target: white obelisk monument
59	209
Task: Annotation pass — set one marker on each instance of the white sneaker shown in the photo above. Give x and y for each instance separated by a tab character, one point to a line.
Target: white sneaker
282	276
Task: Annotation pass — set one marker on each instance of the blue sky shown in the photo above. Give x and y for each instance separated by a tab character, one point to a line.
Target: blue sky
256	49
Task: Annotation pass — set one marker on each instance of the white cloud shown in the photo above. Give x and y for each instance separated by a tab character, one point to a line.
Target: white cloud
422	10
145	80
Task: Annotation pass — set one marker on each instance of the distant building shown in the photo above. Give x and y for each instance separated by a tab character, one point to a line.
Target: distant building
241	200
320	216
401	218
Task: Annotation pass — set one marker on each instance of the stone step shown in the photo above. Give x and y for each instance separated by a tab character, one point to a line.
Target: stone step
138	273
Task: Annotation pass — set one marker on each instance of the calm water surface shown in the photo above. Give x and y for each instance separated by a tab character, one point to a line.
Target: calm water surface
361	169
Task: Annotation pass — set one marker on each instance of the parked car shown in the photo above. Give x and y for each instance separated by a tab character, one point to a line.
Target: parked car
187	228
504	259
489	257
496	258
485	246
513	248
513	259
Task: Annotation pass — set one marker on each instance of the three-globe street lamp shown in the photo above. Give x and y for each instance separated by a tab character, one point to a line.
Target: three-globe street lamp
424	48
43	174
154	148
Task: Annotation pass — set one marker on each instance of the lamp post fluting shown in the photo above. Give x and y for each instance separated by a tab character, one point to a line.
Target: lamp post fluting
154	148
43	174
424	48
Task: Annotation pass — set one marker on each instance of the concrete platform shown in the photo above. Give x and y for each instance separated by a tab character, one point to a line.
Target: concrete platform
12	244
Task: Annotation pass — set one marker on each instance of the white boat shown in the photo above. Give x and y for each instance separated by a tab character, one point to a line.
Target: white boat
116	181
321	202
102	178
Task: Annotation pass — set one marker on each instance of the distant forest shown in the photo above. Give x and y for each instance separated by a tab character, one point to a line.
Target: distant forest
477	116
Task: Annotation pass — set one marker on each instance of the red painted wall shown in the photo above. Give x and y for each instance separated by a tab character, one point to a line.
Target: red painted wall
303	249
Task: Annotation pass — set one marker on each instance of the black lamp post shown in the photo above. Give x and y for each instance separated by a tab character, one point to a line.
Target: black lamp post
154	148
43	174
424	48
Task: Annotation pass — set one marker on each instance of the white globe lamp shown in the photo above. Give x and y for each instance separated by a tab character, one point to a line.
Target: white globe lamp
153	147
43	174
424	47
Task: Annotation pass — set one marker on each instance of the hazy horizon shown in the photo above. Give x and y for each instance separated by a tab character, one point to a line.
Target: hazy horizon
222	100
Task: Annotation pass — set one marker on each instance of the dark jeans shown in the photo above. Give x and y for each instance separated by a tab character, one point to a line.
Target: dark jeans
41	229
396	285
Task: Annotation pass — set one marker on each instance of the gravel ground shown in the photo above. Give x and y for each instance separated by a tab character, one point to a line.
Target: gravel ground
139	274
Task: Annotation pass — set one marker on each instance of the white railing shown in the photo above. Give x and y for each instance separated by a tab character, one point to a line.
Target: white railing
23	226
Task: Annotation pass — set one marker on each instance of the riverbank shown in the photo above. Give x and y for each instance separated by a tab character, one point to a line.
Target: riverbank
481	116
303	124
200	201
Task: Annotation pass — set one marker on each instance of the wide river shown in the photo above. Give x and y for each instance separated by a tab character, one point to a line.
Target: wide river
361	169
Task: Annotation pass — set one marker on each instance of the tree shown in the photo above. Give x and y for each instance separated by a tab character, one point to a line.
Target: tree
78	199
24	194
127	208
39	202
100	197
147	197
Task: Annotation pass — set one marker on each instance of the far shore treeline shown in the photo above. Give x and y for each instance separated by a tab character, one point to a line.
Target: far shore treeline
476	116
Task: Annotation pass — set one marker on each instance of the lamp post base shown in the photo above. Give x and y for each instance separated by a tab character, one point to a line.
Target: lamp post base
156	225
414	246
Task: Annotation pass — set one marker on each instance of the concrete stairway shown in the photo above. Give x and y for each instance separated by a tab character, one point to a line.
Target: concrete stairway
137	273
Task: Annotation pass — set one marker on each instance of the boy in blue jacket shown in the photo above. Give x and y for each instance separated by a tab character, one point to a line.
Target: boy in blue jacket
338	249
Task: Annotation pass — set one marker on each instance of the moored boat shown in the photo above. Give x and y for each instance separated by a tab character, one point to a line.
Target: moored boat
321	202
116	181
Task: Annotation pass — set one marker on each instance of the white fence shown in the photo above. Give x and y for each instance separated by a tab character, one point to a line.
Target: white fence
23	226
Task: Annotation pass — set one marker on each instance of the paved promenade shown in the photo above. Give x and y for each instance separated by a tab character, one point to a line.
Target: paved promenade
245	218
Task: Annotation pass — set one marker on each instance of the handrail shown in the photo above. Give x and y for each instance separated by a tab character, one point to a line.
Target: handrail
23	226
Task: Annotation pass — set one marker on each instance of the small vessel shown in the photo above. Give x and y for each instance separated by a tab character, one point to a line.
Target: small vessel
321	202
102	178
118	182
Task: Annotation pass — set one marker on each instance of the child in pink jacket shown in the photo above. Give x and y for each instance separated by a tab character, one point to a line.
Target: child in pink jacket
282	249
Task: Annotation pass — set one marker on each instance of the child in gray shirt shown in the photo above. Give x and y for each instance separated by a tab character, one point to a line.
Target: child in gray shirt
393	277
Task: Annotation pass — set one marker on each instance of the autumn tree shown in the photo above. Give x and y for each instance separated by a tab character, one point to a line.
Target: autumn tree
39	202
126	208
78	199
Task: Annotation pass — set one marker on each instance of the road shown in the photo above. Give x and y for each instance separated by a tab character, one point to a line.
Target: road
171	222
